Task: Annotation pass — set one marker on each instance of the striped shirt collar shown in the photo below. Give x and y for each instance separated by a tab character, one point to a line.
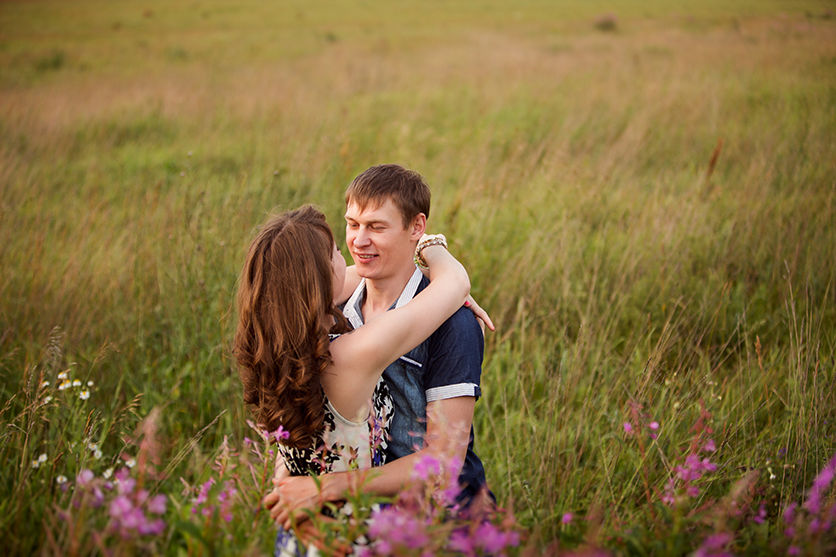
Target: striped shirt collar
353	308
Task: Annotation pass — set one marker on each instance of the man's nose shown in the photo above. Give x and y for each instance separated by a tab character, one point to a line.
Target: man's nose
361	239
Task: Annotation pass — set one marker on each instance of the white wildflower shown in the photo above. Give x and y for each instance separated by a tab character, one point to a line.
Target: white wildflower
45	384
107	473
76	383
47	399
89	383
63	375
35	464
61	480
84	395
130	463
65	384
97	454
42	458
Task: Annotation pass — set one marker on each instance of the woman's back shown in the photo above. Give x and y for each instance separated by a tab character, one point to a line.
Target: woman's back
344	444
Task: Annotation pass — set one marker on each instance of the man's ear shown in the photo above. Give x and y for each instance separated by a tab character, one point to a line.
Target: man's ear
419	227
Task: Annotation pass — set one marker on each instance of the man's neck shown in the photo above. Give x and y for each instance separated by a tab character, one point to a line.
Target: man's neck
382	293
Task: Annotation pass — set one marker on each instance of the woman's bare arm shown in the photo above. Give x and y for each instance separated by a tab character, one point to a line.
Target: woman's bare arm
360	357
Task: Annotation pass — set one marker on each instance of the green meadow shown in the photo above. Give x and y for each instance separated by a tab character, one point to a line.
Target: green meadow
644	194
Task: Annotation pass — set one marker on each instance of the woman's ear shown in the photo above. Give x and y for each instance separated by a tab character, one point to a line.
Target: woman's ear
419	226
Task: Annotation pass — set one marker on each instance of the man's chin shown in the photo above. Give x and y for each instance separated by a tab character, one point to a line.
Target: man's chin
366	273
365	268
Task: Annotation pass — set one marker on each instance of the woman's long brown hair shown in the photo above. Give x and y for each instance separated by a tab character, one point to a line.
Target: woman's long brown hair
280	344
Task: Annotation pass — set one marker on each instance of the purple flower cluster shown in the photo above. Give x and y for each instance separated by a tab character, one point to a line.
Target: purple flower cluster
688	474
424	520
128	509
819	487
638	417
715	546
810	523
396	531
132	512
441	474
488	539
205	504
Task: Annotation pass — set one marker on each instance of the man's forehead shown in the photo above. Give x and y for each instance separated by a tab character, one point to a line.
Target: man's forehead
374	210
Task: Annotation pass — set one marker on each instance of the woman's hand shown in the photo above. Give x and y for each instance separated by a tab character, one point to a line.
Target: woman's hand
481	315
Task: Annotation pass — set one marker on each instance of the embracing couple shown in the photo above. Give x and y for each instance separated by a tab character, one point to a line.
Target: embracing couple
388	379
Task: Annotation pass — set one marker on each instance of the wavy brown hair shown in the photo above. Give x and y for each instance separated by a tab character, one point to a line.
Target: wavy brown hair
280	345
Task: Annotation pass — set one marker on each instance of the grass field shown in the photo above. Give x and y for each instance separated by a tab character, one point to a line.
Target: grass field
643	193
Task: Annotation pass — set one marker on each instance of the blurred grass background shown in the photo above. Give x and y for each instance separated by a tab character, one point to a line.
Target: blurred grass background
569	150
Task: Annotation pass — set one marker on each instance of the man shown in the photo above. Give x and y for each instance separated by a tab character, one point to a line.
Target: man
435	386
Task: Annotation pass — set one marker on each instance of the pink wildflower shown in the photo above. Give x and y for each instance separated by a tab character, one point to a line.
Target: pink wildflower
761	516
157	504
493	540
628	428
151	528
714	546
397	529
85	477
490	538
427	467
820	485
120	506
461	542
567	518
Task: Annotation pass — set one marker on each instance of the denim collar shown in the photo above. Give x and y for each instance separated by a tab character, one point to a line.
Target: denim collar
353	307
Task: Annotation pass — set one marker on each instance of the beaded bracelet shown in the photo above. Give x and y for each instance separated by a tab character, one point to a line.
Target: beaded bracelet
428	240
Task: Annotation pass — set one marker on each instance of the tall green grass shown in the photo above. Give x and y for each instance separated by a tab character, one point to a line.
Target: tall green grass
140	146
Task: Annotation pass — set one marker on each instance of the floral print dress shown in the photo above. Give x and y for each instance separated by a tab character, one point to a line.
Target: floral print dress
342	445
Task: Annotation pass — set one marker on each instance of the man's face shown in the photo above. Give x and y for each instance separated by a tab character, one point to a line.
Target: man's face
378	242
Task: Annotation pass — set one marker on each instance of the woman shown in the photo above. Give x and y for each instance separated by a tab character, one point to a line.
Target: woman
302	369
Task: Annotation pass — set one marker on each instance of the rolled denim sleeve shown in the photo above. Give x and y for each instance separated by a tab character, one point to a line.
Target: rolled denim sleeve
456	350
